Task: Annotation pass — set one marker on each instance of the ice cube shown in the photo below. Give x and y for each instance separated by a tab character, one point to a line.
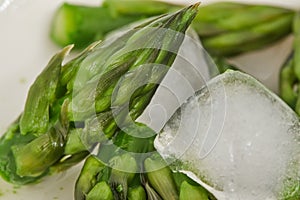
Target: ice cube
238	137
189	72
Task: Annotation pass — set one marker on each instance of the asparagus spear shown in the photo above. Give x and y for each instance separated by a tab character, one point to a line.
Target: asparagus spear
296	33
234	17
81	25
290	72
254	37
100	65
288	83
36	113
233	28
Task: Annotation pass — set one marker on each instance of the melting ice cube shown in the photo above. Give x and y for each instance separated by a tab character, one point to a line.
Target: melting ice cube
191	69
239	138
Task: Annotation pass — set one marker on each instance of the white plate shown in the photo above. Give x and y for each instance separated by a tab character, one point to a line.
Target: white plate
25	49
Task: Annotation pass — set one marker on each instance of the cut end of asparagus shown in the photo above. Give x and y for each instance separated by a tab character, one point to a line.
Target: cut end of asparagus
188	191
63	24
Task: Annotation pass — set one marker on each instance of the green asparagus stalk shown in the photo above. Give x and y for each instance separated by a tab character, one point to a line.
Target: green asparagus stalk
81	25
288	82
230	17
233	28
254	37
296	33
66	102
146	8
33	153
290	72
36	113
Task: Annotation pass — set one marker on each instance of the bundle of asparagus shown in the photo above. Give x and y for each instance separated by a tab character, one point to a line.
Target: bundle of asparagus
70	108
225	28
130	168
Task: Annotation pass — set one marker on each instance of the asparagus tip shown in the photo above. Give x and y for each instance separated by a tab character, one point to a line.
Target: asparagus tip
67	50
196	5
93	45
